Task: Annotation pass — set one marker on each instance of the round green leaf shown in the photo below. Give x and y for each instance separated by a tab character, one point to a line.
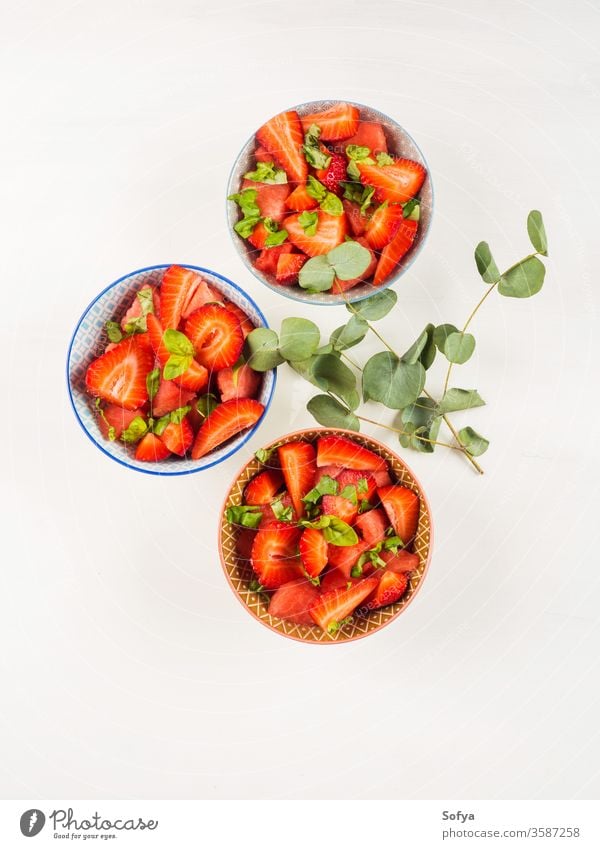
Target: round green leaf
459	347
330	413
537	232
316	274
524	279
350	334
376	306
262	349
299	338
394	383
486	265
473	441
423	350
332	375
349	260
441	333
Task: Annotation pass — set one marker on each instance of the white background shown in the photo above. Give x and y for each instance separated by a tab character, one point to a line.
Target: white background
129	669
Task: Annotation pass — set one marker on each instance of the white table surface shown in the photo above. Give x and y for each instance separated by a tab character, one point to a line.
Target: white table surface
128	667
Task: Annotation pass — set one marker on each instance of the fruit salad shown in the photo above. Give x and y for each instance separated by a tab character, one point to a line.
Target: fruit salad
327	205
326	531
172	380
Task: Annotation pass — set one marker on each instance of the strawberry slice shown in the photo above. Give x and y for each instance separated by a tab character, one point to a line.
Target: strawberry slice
196	376
300	200
341	451
178	437
258	237
151	449
398	182
344	557
271	199
369	134
244	542
403	561
119	376
216	335
331	608
282	136
363	483
261	154
117	418
372	526
333	579
334	174
338	122
225	421
169	397
356	219
331	230
297	460
328	471
267	259
391	588
288	268
382	477
336	505
344	285
393	253
313	552
263	487
275	555
200	294
292	601
245	321
402	507
383	225
135	309
175	290
242	382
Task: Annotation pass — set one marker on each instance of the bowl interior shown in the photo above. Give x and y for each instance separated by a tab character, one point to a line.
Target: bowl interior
90	339
239	571
399	142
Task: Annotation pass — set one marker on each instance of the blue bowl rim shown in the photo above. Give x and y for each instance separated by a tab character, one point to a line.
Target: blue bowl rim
283	290
151	471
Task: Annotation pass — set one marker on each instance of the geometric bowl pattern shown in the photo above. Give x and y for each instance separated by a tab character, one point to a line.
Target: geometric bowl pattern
400	143
239	571
88	342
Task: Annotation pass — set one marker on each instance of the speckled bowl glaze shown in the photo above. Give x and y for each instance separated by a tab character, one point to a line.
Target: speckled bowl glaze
399	143
89	340
239	571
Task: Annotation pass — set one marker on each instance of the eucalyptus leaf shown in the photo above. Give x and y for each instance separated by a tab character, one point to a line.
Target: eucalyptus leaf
441	333
376	306
423	350
298	338
537	232
486	265
330	413
475	444
305	369
262	349
524	279
460	399
349	260
420	419
334	376
391	381
421	413
316	274
459	347
350	334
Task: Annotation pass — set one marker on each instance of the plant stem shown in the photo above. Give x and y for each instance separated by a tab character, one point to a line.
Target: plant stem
459	445
406	433
351	361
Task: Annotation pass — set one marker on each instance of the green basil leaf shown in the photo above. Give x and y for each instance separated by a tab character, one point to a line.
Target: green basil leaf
177	343
349	260
486	265
113	331
309	222
537	232
326	486
441	333
357	152
136	325
152	382
334	376
312	149
459	347
176	365
524	279
352	171
246	516
460	399
384	159
412	209
145	297
245	227
315	189
246	201
391	381
330	413
349	492
276	237
332	205
473	441
137	428
111	432
206	404
299	338
178	415
376	306
316	274
339	533
262	349
266	172
350	334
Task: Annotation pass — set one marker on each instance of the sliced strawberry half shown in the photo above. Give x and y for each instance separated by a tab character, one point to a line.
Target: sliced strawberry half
175	290
402	507
200	293
244	542
313	552
333	579
263	487
372	526
288	268
331	230
178	436
344	557
216	335
344	285
369	134
336	505
356	219
242	382
395	250
245	321
117	418
363	483
383	225
275	555
292	601
258	237
282	136
169	397
297	460
225	421
270	198
151	449
300	201
261	154
403	561
119	376
341	451
382	477
327	471
267	259
338	122
390	589
333	607
398	182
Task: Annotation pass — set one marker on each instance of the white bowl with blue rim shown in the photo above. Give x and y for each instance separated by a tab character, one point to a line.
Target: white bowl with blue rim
89	341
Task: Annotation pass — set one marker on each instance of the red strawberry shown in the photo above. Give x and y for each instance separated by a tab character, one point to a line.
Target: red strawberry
372	526
244	542
337	122
119	376
288	267
402	506
344	285
383	225
151	449
334	174
245	321
200	293
224	422
175	291
118	418
292	601
328	471
297	460
135	310
178	437
216	335
344	557
363	483
258	237
393	253
196	376
269	517
270	198
275	555
369	134
261	154
403	561
263	487
341	451
333	607
391	588
169	397
242	382
382	477
300	200
398	182
313	552
336	505
282	136
331	230
356	219
267	259
333	579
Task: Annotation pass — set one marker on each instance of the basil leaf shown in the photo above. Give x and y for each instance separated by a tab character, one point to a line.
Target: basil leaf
391	381
177	343
376	306
136	325
136	429
246	516
334	376
339	533
145	297
176	365
298	338
524	279
350	334
246	201
177	416
326	486
332	205
152	383
113	331
349	260
486	264
111	432
459	347
357	152
245	227
206	404
266	172
537	232
281	513
350	494
262	349
316	274
309	222
460	399
384	159
473	441
276	237
330	413
315	189
312	149
412	209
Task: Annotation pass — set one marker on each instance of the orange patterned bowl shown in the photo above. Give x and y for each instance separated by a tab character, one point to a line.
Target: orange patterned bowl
238	571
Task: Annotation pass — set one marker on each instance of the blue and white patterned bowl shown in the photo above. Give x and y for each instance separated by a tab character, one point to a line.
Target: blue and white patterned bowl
88	342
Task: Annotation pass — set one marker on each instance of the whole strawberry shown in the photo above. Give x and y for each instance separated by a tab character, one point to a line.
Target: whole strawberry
335	173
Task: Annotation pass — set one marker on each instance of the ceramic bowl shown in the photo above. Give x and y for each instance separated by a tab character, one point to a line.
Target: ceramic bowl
240	575
399	143
88	342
